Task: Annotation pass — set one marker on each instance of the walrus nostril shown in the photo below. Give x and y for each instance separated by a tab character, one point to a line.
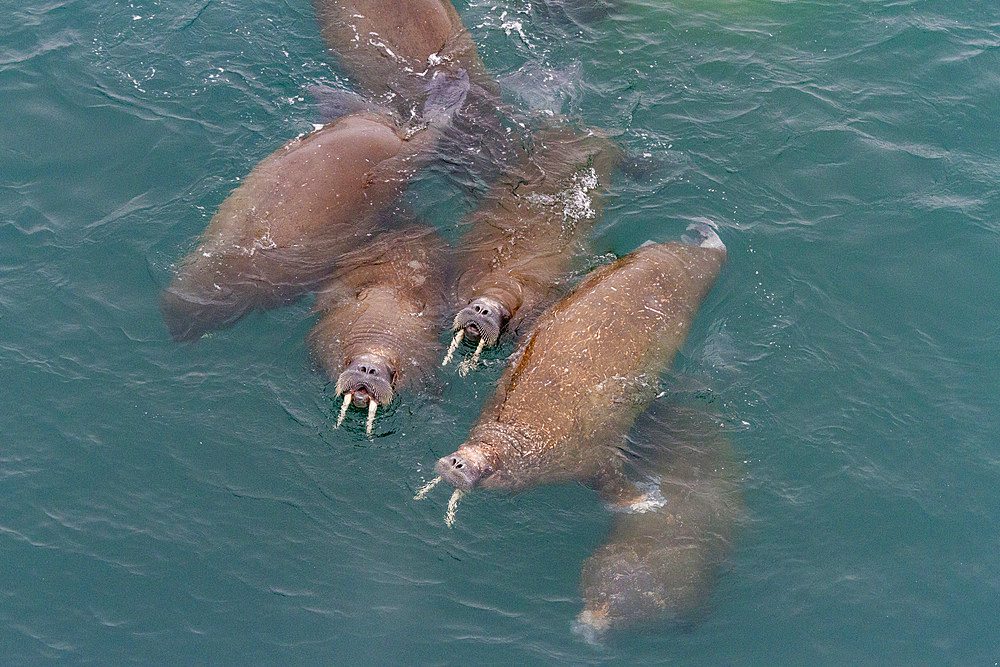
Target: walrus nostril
456	463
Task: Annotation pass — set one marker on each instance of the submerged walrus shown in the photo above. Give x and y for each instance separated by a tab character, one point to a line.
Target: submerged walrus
281	231
522	241
660	560
588	367
380	315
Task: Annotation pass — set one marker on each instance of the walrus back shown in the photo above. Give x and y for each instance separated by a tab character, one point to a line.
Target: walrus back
282	230
388	48
601	350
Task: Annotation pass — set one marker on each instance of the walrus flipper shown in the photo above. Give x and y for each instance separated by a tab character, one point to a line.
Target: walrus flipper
445	95
611	483
335	103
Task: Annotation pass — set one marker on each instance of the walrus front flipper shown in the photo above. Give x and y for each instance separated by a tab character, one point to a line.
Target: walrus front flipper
662	556
613	485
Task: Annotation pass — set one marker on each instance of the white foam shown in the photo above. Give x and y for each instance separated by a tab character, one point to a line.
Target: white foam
651	499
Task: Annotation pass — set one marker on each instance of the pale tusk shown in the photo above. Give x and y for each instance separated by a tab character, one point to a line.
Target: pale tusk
343	409
469	364
449	518
422	493
372	407
455	342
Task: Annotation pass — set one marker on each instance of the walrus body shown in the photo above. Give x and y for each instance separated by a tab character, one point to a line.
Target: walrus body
660	560
280	233
388	48
380	313
588	366
393	49
522	241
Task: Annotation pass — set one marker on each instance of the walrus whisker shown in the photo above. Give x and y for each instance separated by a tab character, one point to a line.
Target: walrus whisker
343	409
426	488
455	342
469	364
449	517
372	407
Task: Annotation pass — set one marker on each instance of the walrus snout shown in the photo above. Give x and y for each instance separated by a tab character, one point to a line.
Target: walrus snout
367	378
482	318
462	469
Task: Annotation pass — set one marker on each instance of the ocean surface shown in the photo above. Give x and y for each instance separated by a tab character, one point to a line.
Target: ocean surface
168	503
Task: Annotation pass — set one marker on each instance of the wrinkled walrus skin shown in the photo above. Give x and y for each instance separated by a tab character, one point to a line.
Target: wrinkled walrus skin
281	231
660	561
588	367
380	313
522	242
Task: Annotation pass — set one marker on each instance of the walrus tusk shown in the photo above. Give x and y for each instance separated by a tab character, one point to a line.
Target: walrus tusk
343	409
426	488
449	517
469	364
455	342
372	407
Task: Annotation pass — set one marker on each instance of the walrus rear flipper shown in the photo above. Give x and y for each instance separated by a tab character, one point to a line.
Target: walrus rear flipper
445	95
335	103
208	296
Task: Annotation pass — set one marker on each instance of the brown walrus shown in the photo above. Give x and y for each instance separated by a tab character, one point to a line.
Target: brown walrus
380	316
522	241
281	231
589	365
390	48
660	560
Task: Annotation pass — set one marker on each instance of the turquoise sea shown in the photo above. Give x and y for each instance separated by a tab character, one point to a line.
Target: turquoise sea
166	503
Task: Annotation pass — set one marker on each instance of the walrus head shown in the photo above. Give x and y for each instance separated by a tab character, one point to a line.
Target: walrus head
491	458
368	377
464	468
367	381
481	320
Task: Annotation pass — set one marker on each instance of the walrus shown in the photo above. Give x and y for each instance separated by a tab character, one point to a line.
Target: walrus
522	241
380	313
389	48
588	366
661	558
280	232
392	49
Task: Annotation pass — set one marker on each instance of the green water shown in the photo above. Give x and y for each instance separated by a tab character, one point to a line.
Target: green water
193	503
